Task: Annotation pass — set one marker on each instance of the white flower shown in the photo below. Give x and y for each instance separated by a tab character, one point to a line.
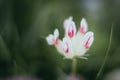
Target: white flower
73	44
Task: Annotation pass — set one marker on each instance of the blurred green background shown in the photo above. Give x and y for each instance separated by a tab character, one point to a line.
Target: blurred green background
25	23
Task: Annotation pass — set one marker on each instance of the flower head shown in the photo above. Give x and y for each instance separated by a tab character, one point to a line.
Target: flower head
73	44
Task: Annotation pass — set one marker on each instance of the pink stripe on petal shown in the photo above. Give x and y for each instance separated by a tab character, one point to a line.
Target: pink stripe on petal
87	43
89	40
67	49
71	33
66	45
71	30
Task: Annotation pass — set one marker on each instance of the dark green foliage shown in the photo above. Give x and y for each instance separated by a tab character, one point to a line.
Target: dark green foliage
24	24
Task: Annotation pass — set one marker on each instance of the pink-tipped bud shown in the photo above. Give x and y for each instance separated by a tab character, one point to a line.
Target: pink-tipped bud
53	38
89	37
83	26
71	30
67	22
66	45
69	27
50	39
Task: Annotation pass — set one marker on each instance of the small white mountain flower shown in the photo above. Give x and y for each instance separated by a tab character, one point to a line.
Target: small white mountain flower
73	44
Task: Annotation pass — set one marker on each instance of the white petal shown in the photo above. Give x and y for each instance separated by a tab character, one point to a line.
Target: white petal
59	47
74	27
77	39
67	22
91	41
61	51
84	44
83	26
50	39
88	40
67	48
56	33
70	28
67	45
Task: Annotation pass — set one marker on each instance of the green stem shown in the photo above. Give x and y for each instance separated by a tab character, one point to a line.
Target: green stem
74	66
106	56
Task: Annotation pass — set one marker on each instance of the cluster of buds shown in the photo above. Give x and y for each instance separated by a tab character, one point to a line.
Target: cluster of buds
74	44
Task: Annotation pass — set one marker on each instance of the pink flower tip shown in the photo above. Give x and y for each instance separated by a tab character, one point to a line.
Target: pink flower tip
52	39
83	26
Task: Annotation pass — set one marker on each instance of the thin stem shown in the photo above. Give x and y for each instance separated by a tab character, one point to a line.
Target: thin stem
74	66
106	56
